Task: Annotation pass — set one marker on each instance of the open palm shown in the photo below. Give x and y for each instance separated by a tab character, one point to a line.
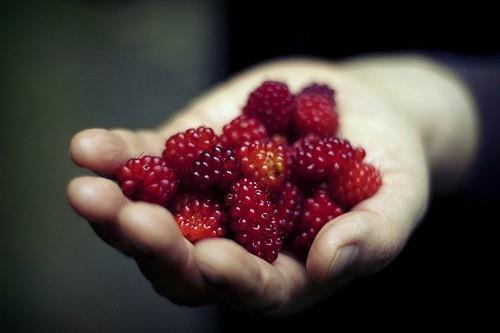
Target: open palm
359	242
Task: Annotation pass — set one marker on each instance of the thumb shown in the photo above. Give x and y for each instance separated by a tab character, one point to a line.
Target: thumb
371	235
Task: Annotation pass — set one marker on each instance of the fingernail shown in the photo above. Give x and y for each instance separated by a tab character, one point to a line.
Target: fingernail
343	259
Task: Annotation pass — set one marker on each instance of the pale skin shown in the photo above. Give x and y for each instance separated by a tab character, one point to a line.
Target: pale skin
416	121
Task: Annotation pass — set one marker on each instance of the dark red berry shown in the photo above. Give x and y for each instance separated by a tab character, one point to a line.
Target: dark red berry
242	130
147	179
288	207
252	221
318	211
182	149
315	158
273	104
218	169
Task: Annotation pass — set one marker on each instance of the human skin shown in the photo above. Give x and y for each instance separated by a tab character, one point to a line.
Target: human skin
416	121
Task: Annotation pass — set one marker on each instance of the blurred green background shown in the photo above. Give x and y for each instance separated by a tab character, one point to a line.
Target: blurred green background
67	66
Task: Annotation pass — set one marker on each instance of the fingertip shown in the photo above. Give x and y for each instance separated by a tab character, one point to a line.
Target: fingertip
98	149
336	247
94	198
150	228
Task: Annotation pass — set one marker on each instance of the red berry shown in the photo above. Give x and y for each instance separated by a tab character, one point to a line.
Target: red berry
288	207
318	211
147	179
264	162
353	183
201	219
315	114
182	149
319	89
218	168
252	221
315	158
243	129
272	104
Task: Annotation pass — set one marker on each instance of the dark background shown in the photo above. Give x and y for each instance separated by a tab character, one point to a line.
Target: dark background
67	66
341	29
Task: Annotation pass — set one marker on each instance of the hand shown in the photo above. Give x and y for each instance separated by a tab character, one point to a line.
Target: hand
361	241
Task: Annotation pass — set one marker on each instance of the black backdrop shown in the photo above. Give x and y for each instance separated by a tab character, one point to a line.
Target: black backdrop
258	30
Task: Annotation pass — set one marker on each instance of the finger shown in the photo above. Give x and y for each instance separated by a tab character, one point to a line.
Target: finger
95	198
246	281
98	200
165	256
103	151
367	238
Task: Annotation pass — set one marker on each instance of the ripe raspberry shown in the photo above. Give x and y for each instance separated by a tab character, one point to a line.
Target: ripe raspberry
252	220
218	168
319	89
243	129
353	183
272	104
264	163
315	158
318	210
147	179
200	219
182	149
288	207
315	114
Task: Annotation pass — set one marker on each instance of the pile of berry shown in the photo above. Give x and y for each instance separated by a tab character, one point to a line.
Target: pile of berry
270	181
